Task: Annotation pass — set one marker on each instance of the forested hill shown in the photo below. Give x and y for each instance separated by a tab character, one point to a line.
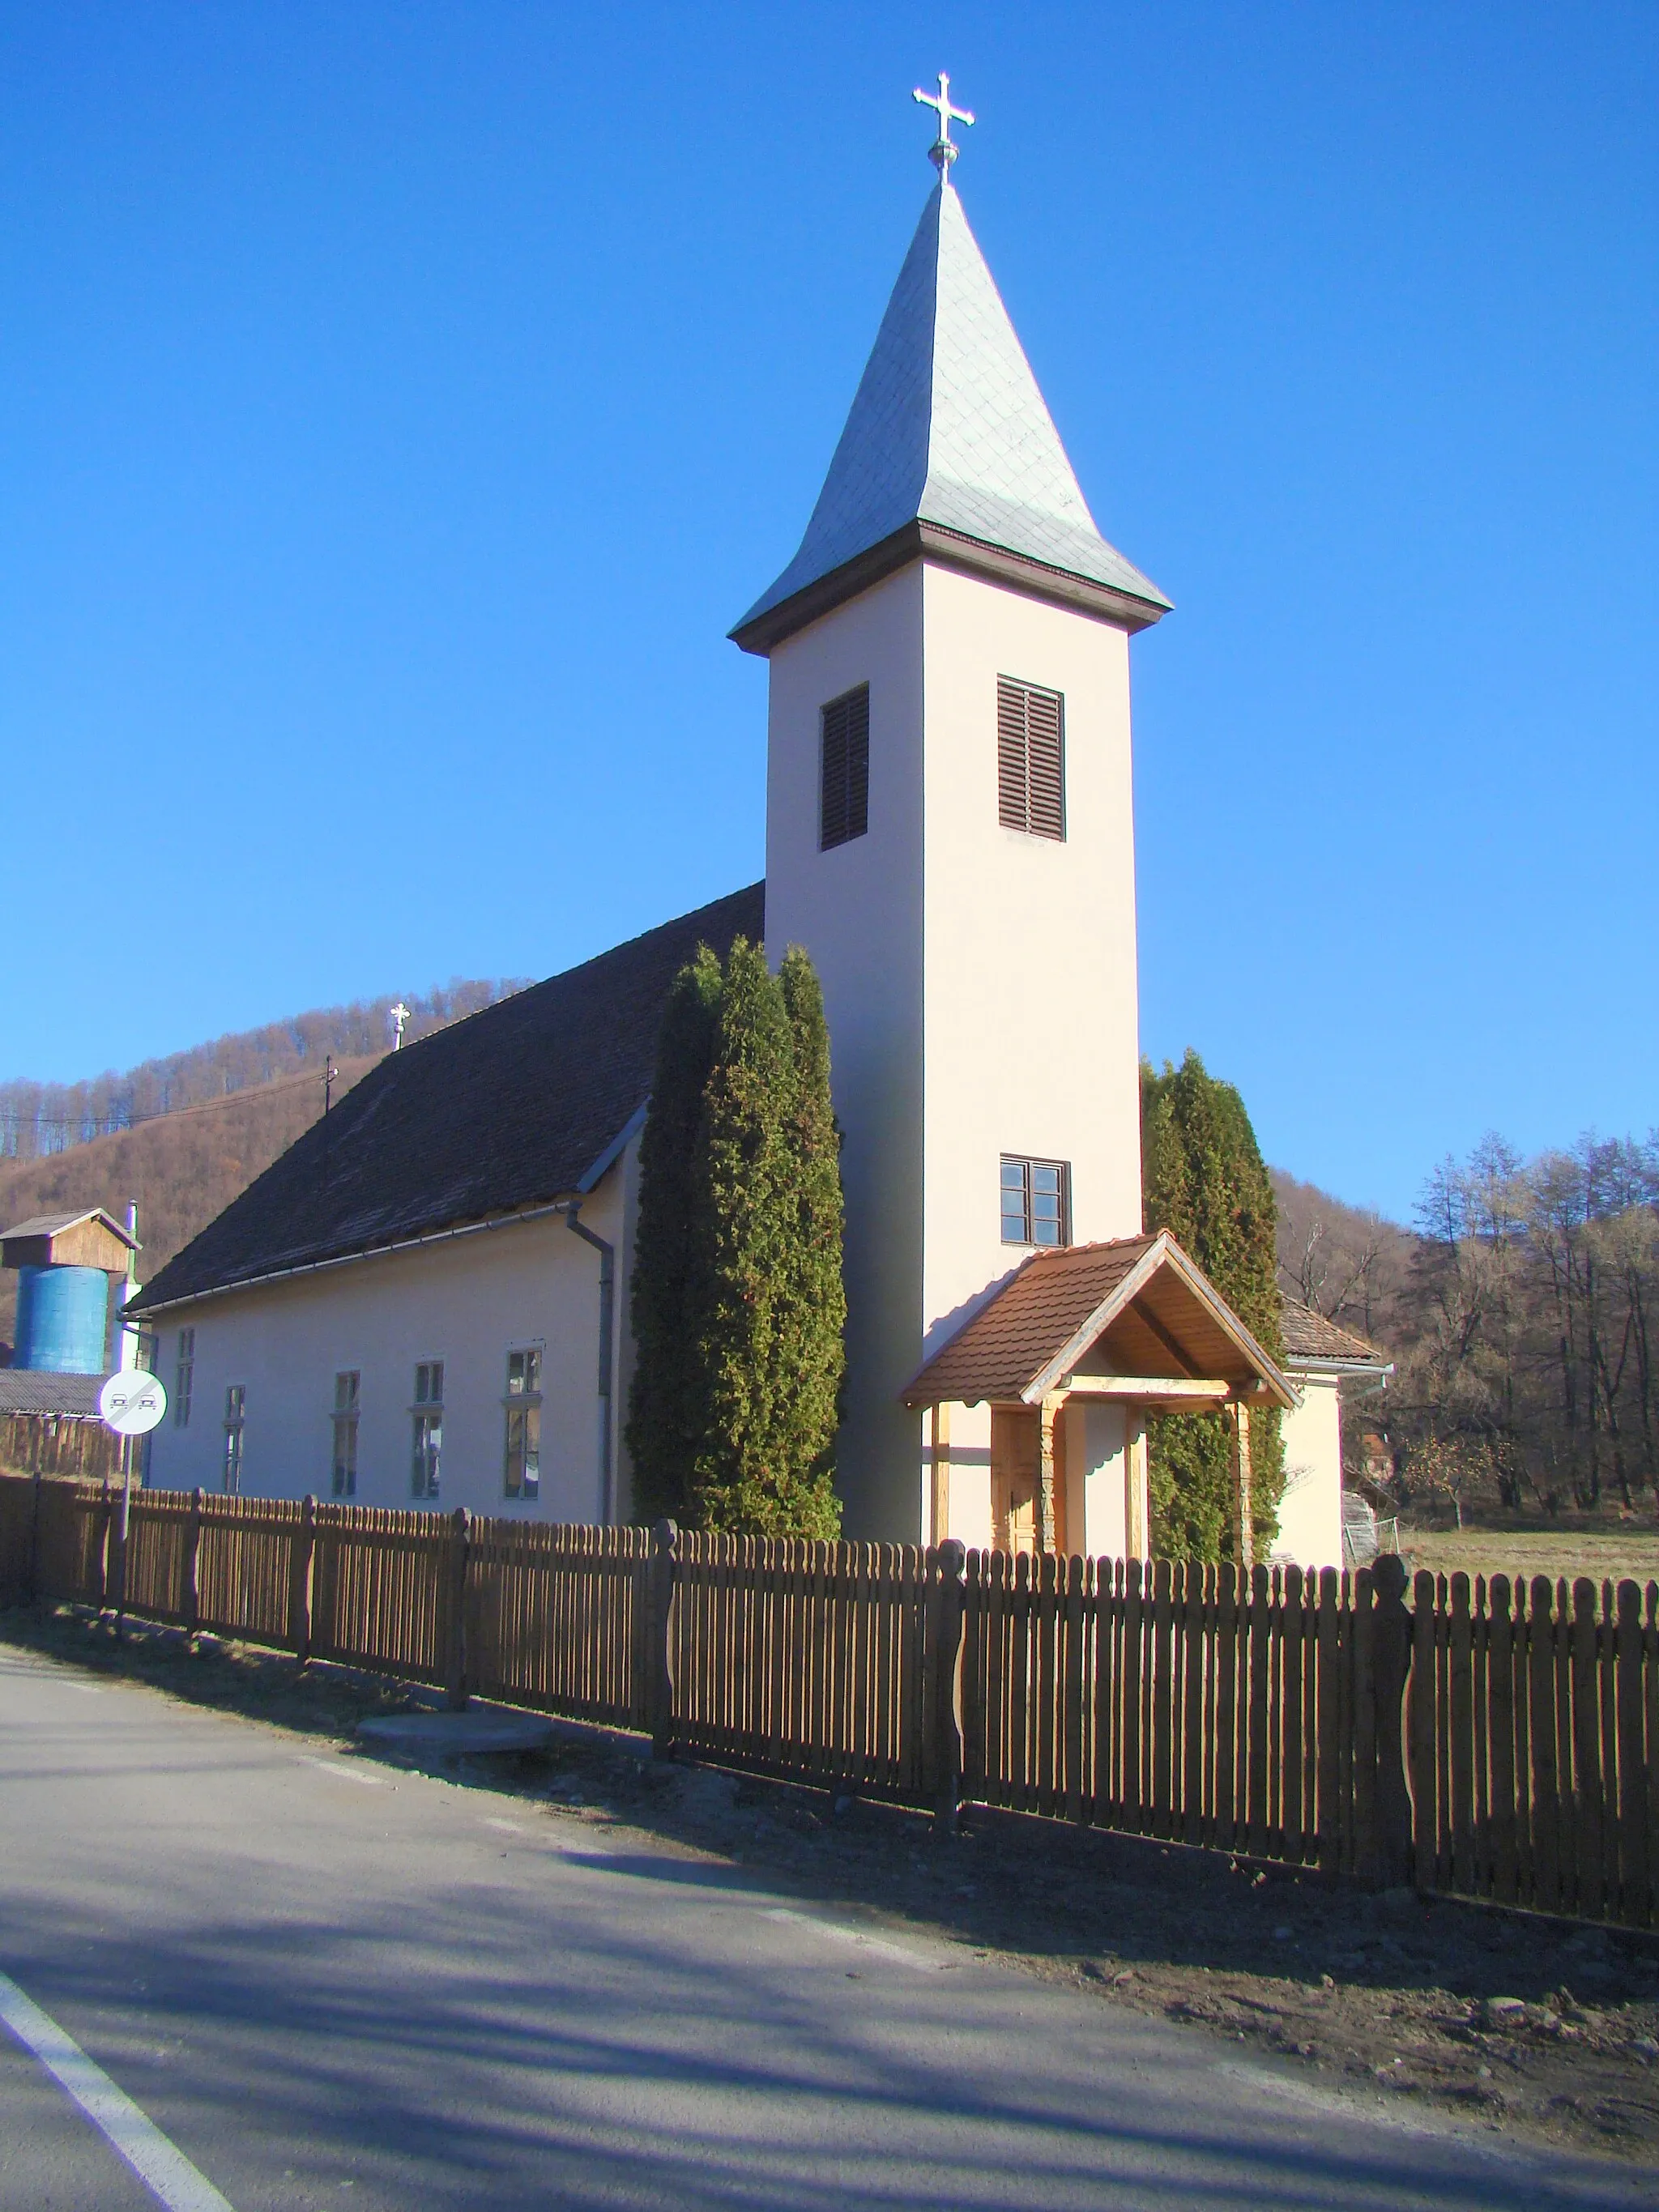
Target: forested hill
180	1169
38	1119
182	1135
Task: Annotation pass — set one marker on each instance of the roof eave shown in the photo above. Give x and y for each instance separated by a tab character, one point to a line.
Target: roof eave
758	632
1307	1363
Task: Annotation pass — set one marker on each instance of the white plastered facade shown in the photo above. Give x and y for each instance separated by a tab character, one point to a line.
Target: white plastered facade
980	983
466	1300
1310	1506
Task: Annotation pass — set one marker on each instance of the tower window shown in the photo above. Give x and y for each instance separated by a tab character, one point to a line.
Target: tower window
1030	758
1037	1201
844	783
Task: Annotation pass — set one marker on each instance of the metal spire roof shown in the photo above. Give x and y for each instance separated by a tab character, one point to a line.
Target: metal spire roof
948	429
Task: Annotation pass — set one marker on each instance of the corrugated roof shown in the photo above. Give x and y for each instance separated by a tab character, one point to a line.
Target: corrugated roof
1309	1336
515	1106
1134	1296
948	427
27	1390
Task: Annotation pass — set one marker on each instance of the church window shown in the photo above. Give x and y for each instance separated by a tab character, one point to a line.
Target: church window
1030	758
426	1465
345	1481
522	1473
235	1413
1037	1201
844	794
183	1374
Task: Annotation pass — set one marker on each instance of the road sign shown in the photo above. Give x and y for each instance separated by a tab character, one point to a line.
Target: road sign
131	1402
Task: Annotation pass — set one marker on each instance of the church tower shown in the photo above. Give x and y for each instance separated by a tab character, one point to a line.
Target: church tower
949	835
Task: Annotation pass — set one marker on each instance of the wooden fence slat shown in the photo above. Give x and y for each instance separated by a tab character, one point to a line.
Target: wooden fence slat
1461	1678
1634	1902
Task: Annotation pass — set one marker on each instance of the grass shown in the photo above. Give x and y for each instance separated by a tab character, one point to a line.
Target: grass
1604	1552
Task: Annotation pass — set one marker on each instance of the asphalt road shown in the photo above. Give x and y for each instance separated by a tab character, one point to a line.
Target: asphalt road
328	1982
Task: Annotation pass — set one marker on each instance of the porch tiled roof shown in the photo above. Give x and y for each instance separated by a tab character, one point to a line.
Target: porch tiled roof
1005	1345
1135	1305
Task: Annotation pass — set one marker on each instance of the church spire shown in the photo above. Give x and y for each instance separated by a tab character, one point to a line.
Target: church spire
949	451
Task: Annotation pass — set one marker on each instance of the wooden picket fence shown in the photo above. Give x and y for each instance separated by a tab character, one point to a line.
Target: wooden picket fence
1496	1740
58	1444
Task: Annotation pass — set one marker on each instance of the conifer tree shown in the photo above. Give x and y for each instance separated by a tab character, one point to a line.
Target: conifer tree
1203	1178
761	1468
818	1325
667	1412
737	1300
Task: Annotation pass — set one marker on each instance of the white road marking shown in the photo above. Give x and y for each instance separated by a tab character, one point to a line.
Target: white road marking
87	1689
345	1773
508	1827
855	1936
163	2169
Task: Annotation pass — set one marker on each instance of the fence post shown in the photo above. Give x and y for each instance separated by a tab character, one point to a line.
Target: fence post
103	1509
1391	1640
34	1543
193	1594
660	1600
941	1751
303	1586
455	1688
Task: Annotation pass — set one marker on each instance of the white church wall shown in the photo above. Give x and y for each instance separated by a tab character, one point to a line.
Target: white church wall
466	1301
857	909
1310	1510
1032	1041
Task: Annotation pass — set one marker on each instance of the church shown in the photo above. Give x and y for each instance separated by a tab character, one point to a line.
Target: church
425	1300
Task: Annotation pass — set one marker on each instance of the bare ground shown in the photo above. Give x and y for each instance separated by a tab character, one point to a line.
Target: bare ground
1540	2028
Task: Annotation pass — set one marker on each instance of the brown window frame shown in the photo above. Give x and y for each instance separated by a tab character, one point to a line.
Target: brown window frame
1029	1168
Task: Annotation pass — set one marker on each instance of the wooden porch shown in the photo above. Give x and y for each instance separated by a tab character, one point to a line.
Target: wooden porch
1037	1406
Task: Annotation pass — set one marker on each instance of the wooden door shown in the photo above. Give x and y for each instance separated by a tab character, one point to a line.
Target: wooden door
1014	1445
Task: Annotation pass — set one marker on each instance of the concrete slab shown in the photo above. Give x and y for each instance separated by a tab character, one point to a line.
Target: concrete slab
458	1735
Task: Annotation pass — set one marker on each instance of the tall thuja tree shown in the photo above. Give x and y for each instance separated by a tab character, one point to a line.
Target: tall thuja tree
737	1305
667	1414
818	1321
1203	1178
768	1311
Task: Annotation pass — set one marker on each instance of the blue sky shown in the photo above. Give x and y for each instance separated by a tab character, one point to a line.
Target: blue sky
401	402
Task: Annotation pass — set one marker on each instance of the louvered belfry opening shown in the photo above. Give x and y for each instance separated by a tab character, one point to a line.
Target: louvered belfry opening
1030	758
844	803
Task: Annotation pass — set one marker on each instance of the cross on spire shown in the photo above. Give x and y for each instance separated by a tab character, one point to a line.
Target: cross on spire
400	1014
942	153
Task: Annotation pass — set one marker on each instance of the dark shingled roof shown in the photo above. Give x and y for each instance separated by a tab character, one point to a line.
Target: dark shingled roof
31	1391
1309	1336
514	1107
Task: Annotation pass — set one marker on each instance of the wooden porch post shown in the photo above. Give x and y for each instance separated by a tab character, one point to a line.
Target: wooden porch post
1243	1523
1046	1533
939	1476
1136	1543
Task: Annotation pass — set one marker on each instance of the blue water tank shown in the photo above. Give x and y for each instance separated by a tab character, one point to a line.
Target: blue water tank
62	1319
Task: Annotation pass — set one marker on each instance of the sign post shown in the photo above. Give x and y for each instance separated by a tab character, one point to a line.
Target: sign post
132	1404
